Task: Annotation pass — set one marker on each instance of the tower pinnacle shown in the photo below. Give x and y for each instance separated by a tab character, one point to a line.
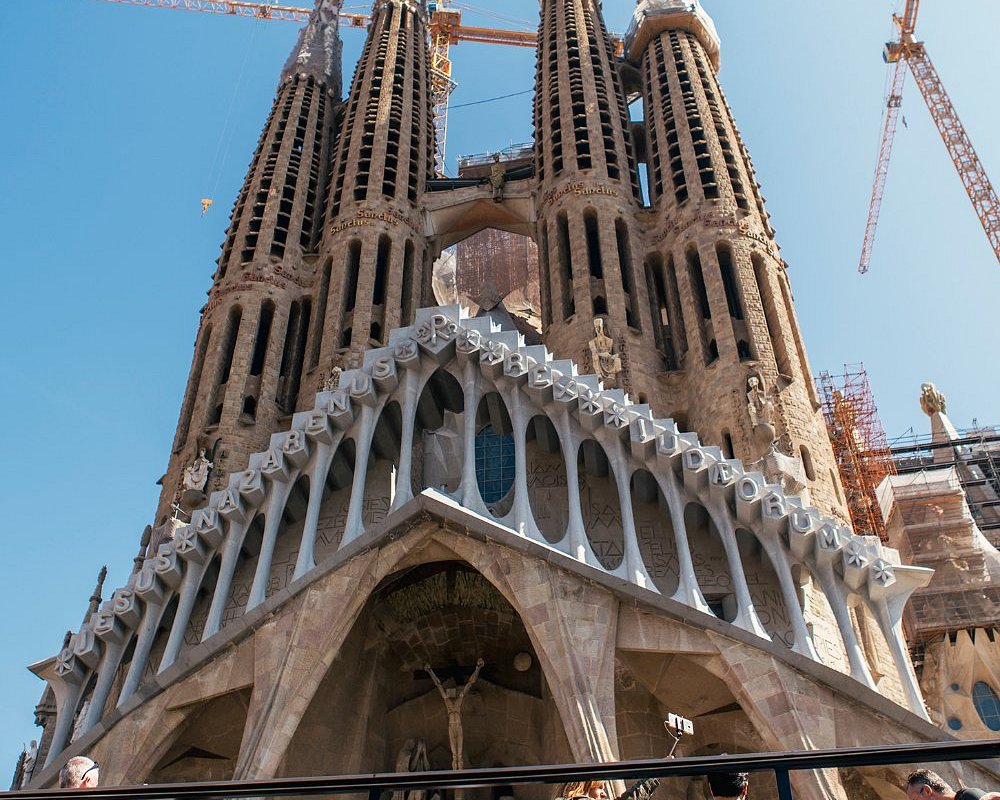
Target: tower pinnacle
652	17
317	52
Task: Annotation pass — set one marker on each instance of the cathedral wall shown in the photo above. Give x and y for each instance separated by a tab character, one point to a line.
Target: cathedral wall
305	635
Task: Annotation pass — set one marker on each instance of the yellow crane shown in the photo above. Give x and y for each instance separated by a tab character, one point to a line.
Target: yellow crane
905	52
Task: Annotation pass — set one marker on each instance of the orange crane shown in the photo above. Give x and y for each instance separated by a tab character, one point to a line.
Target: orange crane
907	52
444	26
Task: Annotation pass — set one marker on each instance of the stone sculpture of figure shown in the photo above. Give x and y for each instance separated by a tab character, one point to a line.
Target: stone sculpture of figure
332	381
80	721
498	178
607	364
761	408
453	699
28	766
196	475
931	400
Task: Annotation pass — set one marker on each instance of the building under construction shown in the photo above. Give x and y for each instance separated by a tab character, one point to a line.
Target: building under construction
377	507
859	444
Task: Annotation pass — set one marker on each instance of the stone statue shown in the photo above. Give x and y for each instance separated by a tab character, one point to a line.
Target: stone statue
196	475
761	408
931	400
498	178
453	699
28	765
332	381
80	721
606	363
412	758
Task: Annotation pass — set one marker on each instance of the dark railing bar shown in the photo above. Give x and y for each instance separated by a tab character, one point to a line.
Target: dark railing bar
784	784
375	783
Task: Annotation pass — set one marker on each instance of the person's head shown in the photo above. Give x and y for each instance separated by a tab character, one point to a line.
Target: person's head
592	789
923	784
728	785
79	772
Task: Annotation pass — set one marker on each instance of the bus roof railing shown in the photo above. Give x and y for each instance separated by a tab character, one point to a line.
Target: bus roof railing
374	784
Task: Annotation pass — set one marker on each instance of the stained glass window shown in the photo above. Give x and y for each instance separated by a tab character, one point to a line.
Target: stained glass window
494	464
987	705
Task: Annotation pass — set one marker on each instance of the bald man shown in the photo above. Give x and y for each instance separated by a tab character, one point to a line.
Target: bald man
79	772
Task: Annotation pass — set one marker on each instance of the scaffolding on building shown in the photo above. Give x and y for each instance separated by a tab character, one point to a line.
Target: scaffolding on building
975	454
860	446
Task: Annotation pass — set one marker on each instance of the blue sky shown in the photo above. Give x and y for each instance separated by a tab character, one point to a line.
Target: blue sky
118	120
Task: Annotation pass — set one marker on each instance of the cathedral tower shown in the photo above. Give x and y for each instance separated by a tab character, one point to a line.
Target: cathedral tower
736	364
588	196
373	250
251	342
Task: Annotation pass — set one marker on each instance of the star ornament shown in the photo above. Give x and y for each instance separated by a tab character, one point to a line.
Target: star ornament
882	573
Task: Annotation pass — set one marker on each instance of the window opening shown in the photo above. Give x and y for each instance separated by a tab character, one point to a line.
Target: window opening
494	464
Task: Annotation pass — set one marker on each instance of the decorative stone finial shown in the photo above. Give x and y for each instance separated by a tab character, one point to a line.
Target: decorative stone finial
931	400
95	597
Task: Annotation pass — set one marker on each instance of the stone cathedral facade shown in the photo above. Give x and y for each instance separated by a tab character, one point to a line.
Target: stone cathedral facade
372	499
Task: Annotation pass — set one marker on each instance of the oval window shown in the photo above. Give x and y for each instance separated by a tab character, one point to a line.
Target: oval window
987	705
494	464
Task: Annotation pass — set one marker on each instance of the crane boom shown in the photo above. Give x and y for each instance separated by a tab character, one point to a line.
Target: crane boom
236	8
970	168
905	53
882	167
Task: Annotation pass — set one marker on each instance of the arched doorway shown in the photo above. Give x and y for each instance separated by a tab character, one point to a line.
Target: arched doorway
446	615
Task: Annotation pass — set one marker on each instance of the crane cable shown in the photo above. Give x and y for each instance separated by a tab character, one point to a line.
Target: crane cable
218	165
490	99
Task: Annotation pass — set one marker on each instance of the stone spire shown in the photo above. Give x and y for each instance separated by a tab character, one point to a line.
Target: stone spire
733	361
317	52
935	405
372	252
249	352
589	193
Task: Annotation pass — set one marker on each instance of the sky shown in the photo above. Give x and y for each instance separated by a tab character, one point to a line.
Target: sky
118	120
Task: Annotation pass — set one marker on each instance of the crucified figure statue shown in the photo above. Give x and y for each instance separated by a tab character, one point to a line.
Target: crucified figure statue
453	699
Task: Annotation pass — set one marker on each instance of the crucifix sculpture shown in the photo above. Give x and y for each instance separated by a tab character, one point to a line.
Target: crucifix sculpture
453	699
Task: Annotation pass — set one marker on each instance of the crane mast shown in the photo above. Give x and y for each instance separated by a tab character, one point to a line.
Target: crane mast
907	52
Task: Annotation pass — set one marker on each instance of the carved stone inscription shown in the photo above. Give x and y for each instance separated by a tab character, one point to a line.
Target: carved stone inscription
547	487
602	519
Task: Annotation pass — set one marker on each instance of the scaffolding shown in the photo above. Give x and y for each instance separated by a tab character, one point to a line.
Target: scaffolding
864	458
975	454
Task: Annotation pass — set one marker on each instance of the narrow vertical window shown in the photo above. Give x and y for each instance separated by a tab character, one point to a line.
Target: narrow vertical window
678	333
545	286
351	268
657	301
192	392
381	271
628	284
263	334
324	290
565	266
293	354
778	343
406	303
232	334
225	365
698	283
733	300
593	244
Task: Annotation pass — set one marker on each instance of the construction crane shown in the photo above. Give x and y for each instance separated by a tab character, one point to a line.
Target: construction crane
907	52
444	27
